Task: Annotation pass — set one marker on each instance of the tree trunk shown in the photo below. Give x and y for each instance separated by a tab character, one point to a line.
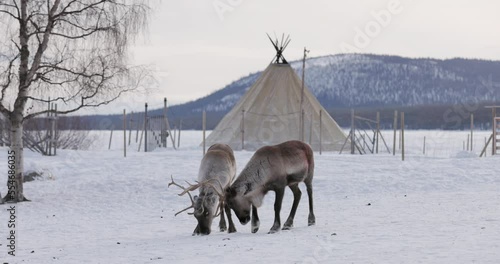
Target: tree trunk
15	185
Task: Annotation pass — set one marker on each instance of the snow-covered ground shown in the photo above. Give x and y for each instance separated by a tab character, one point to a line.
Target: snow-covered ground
99	207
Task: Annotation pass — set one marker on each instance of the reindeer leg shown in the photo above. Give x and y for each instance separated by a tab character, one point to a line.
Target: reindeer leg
312	219
255	220
296	199
277	208
231	229
222	223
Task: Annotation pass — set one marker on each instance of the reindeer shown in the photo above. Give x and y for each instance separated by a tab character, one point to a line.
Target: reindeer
272	168
217	171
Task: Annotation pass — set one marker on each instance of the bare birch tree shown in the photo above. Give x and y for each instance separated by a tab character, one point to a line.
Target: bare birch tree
71	50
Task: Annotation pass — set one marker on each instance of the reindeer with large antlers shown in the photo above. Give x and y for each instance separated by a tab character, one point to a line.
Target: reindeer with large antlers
273	168
217	171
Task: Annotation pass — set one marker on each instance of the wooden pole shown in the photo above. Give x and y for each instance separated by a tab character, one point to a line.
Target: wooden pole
471	132
204	123
48	127
403	135
130	122
486	145
243	129
167	124
311	130
140	140
494	140
424	145
51	128
395	126
146	127
378	131
124	133
179	135
164	126
56	133
302	95
485	149
303	129
110	138
352	131
320	131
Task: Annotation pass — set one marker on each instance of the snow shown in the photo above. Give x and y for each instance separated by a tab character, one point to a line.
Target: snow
99	207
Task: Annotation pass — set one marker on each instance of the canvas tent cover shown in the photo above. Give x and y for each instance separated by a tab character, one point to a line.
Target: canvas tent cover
269	114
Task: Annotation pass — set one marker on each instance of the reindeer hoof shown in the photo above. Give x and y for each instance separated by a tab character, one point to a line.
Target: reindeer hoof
222	229
272	231
255	229
232	230
312	220
288	225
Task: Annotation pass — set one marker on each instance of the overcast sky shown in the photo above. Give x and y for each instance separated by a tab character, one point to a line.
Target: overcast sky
199	46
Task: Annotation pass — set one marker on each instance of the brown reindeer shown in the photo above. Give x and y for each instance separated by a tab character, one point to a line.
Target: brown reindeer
217	171
272	168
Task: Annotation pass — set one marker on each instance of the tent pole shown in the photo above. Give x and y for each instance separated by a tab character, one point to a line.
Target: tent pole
311	130
302	95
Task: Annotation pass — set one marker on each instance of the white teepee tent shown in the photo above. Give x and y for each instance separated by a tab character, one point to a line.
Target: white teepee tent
270	113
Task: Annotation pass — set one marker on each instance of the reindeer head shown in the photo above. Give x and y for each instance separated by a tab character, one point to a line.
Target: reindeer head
241	206
205	209
205	206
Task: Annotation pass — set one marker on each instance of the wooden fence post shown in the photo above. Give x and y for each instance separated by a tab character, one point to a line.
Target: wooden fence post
424	145
204	124
403	135
395	126
471	132
146	127
378	131
110	138
124	133
353	128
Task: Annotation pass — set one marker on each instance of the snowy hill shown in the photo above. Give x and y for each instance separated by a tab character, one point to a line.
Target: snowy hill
424	88
361	80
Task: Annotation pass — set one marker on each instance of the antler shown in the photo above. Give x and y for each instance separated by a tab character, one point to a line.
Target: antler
186	190
193	187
